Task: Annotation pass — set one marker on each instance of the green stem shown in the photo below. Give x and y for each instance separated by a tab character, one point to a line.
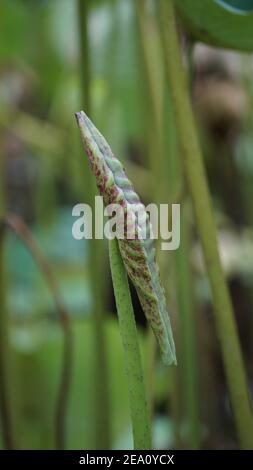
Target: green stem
187	331
153	97
187	381
149	39
84	53
128	330
96	254
199	191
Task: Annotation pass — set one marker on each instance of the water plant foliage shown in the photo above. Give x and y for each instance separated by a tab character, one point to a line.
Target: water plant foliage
218	22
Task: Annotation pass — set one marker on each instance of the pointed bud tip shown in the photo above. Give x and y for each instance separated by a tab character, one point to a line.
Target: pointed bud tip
78	116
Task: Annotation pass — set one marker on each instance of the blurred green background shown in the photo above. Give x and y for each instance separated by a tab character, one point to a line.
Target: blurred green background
57	57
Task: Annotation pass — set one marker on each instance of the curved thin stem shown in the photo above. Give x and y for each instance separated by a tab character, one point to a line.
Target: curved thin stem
200	195
21	230
128	330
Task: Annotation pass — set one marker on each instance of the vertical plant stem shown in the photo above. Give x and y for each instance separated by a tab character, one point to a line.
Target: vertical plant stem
128	330
175	188
187	331
199	191
96	249
150	48
84	53
149	39
188	383
153	121
186	386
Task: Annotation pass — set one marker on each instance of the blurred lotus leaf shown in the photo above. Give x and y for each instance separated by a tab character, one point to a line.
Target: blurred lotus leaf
218	22
241	6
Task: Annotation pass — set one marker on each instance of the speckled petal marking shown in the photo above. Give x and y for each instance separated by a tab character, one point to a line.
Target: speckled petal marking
138	254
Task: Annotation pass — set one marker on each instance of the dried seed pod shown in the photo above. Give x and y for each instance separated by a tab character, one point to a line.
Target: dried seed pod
138	253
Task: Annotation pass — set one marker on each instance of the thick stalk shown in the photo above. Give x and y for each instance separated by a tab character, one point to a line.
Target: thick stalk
148	35
154	77
96	249
129	335
199	191
149	40
188	383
